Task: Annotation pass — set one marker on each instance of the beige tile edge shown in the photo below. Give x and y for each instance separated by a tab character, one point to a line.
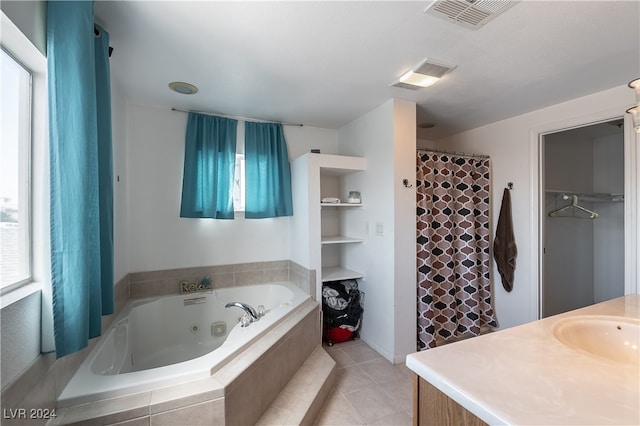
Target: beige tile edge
165	282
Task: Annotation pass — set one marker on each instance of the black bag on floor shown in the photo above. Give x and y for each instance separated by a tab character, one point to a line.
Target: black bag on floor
342	308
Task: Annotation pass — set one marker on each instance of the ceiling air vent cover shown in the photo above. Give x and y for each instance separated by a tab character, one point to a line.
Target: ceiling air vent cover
469	13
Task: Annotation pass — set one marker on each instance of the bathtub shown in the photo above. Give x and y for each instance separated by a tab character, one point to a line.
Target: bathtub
163	341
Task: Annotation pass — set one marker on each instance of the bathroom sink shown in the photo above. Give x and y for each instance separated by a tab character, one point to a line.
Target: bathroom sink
612	338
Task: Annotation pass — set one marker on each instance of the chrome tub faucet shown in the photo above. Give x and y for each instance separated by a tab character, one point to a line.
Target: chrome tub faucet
253	314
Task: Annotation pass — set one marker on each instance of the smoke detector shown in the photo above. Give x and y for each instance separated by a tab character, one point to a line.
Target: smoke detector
471	14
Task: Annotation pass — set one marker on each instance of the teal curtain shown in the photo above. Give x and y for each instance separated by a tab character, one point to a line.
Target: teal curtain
267	172
209	167
81	272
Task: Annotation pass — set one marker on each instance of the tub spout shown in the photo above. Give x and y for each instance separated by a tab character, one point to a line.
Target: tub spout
245	307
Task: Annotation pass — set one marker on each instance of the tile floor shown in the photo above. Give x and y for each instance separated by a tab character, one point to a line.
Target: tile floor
369	389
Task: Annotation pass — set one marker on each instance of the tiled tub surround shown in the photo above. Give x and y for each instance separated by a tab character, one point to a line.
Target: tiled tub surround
42	382
164	282
161	341
237	394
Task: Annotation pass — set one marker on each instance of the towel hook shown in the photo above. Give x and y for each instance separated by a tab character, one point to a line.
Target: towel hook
510	185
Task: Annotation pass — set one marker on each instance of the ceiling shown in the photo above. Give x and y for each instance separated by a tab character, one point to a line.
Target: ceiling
325	63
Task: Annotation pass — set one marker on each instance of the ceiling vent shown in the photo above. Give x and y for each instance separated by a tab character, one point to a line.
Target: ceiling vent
469	13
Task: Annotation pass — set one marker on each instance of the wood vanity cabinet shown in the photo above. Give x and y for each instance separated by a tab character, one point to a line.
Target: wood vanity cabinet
431	407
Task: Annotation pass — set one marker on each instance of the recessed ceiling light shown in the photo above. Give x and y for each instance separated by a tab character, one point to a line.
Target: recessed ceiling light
183	88
417	79
424	75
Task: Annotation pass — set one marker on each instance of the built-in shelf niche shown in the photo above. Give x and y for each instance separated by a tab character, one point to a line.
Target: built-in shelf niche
337	239
322	240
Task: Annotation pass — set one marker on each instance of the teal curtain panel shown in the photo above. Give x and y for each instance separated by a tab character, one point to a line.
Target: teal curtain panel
81	293
209	167
267	172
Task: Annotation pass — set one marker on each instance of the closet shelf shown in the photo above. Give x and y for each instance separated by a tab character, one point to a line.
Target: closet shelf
590	196
337	273
339	239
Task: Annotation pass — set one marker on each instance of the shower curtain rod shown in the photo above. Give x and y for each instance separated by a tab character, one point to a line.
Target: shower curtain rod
237	117
464	154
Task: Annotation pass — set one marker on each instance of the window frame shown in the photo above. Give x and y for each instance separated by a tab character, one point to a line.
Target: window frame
25	174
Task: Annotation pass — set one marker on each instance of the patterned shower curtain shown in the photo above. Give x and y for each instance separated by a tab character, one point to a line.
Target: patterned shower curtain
454	293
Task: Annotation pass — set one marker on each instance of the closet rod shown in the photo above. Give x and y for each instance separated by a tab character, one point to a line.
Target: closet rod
464	154
236	117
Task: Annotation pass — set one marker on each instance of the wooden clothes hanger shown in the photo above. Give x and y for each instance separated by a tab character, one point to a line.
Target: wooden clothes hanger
563	211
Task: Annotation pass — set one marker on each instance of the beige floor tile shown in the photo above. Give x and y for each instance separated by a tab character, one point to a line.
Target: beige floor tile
341	358
361	352
401	391
337	411
398	419
404	370
352	378
380	370
373	403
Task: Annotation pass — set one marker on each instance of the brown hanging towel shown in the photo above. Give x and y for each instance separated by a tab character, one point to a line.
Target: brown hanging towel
504	244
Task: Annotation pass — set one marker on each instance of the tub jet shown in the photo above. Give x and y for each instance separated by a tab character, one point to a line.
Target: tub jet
219	329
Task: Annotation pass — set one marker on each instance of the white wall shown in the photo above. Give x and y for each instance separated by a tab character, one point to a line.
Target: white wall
371	136
302	139
157	237
31	18
120	176
404	202
20	336
508	142
386	138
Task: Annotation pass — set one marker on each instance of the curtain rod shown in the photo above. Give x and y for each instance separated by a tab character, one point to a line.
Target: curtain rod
441	151
237	117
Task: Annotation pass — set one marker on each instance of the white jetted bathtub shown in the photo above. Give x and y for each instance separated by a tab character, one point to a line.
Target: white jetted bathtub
161	341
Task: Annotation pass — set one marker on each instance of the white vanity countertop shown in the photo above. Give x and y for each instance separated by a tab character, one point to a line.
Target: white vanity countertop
524	375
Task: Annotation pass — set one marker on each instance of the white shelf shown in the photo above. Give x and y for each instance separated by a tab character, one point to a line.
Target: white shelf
339	239
590	196
341	204
337	273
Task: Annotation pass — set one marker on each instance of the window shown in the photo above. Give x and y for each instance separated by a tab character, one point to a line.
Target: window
15	153
238	184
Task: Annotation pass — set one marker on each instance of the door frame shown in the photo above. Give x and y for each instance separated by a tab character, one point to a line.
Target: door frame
631	198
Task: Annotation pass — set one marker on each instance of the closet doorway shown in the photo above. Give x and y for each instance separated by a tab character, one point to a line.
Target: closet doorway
583	238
